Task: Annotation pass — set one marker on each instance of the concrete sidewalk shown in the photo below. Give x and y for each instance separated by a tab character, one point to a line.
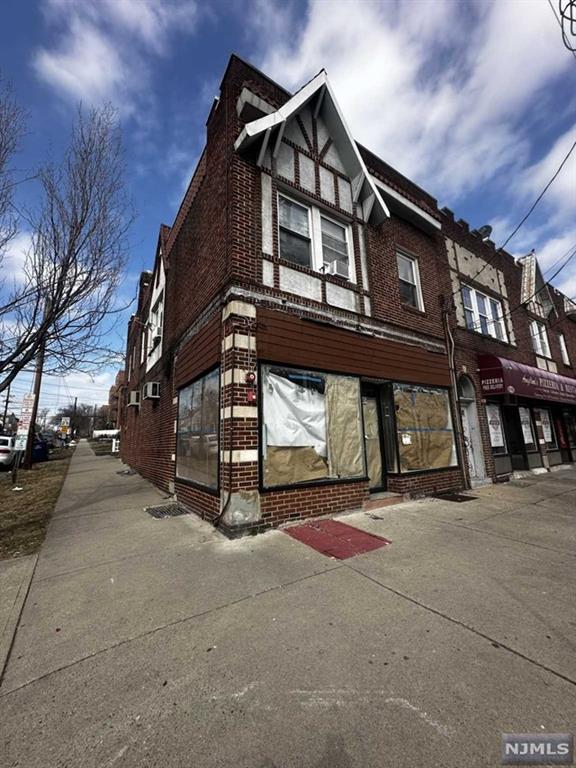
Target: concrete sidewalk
159	643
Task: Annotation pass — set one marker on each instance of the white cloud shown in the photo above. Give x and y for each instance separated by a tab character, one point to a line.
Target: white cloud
447	93
103	47
436	89
560	199
15	257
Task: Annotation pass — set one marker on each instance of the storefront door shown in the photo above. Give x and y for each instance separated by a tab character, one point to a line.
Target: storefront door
371	410
468	441
514	438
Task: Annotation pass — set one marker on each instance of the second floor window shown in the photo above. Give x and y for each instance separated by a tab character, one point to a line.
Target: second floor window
311	239
563	349
539	338
294	224
409	281
483	313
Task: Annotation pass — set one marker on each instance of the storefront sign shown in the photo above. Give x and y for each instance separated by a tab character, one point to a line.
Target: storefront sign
526	426
495	426
500	376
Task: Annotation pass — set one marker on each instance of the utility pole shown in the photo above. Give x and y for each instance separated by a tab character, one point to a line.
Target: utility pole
94	418
73	420
27	463
6	408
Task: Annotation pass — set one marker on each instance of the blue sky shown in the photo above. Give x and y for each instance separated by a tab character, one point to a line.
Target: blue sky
476	101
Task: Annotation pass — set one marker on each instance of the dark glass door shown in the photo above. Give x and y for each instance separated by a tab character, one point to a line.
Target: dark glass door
514	438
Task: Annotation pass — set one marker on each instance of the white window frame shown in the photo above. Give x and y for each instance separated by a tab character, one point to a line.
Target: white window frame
315	216
415	275
564	349
492	324
310	228
540	342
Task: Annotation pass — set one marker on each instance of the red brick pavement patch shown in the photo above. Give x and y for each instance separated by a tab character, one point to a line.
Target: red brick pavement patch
335	539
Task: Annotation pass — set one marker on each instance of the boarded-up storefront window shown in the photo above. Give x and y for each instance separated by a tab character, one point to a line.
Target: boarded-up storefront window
424	428
311	427
197	444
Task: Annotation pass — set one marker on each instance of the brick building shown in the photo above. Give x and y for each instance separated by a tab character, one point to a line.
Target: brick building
292	348
116	399
515	343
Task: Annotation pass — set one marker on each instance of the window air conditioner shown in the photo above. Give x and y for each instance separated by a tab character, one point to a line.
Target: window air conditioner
337	267
151	390
134	397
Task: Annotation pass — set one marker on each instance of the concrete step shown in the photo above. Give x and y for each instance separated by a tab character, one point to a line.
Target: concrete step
382	499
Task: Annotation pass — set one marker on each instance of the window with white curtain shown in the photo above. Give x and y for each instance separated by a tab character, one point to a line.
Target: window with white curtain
564	349
294	226
539	338
483	314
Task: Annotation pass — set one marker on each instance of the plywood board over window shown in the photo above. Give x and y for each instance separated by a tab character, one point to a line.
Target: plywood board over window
311	427
424	428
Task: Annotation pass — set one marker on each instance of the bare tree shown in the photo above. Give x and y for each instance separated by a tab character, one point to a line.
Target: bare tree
42	416
62	306
11	130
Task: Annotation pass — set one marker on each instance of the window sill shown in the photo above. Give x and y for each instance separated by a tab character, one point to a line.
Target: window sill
313	484
430	470
199	486
336	279
413	309
486	336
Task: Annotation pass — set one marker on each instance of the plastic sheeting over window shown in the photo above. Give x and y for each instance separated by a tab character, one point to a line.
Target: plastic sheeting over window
424	428
311	427
197	443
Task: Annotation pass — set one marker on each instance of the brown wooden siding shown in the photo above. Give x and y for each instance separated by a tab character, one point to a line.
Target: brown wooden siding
199	353
283	338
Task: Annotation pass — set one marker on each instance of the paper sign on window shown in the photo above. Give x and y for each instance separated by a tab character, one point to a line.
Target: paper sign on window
546	426
495	426
526	425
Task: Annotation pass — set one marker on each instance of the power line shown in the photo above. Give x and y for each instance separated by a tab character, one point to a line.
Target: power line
568	15
489	261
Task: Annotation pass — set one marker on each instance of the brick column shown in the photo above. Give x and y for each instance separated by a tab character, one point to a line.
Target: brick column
240	498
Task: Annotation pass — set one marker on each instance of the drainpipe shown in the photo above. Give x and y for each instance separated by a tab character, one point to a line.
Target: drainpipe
458	429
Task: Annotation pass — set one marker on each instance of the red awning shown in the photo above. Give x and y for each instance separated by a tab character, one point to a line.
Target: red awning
500	376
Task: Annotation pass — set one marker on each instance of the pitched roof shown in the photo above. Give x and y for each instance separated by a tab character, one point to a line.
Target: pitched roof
269	130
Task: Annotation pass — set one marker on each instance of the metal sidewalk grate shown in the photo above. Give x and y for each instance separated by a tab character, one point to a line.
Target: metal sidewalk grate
166	510
457	497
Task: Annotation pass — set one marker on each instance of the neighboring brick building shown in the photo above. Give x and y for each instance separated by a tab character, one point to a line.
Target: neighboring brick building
116	399
515	341
288	356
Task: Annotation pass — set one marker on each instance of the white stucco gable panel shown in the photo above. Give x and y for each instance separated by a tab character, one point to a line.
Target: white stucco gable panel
317	97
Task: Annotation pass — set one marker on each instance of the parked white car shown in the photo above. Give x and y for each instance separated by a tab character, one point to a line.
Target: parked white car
7	452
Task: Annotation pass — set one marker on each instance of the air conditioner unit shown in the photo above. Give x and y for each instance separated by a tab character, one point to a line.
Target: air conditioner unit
336	267
151	390
134	398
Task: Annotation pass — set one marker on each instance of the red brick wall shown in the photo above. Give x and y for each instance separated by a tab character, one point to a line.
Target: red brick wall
281	506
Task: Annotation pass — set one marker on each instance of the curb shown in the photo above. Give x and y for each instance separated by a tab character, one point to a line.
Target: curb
11	626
